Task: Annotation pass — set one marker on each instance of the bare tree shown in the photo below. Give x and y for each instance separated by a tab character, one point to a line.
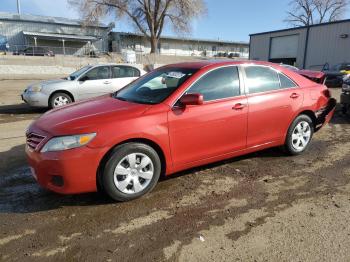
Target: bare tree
308	12
330	10
148	16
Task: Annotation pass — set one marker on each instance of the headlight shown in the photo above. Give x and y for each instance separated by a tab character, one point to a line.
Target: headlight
67	142
35	88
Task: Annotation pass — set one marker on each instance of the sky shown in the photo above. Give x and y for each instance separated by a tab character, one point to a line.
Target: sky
231	20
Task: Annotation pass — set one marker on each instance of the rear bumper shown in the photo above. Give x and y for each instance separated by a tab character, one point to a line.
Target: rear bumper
324	115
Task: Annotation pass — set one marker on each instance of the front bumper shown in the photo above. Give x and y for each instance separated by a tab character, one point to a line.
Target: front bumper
35	99
324	115
67	172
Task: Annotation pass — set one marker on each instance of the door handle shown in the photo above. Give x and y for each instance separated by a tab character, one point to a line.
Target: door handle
294	95
107	82
238	106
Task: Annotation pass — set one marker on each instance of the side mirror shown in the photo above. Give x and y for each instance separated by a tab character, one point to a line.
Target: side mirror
83	79
191	99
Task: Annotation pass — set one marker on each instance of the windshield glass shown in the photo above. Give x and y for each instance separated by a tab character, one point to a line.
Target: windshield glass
79	72
335	68
156	86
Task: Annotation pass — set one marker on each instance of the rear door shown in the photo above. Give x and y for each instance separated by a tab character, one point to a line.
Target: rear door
273	100
95	82
216	127
123	75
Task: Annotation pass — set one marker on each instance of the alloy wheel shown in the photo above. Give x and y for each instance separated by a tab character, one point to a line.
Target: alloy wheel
60	101
301	136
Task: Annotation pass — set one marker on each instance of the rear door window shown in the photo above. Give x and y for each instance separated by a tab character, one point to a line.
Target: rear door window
124	71
286	82
261	79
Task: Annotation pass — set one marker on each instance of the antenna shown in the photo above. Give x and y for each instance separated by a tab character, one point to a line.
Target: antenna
19	7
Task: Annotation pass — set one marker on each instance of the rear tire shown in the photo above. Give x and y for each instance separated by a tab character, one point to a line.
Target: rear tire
60	99
131	171
299	135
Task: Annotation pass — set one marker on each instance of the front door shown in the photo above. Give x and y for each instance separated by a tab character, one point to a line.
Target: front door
96	82
217	127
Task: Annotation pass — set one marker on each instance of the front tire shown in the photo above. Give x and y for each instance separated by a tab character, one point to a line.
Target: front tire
132	170
299	135
60	99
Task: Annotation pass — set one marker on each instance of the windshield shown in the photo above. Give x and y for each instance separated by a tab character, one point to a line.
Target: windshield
78	73
156	86
335	67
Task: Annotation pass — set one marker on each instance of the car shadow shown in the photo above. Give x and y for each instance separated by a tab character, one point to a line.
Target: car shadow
21	109
20	193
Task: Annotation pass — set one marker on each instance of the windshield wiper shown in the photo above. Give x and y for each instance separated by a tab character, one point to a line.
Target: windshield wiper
121	98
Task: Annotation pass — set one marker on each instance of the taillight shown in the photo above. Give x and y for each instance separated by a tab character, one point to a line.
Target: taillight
327	93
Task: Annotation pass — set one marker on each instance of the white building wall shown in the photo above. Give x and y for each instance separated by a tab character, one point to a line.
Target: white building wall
177	47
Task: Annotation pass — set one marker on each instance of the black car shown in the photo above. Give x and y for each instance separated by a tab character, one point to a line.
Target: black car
334	75
34	51
345	96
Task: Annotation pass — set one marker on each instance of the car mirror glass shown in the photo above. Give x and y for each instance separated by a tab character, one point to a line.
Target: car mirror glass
83	79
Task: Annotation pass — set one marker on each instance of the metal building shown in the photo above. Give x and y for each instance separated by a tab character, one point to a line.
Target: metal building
60	35
180	46
308	47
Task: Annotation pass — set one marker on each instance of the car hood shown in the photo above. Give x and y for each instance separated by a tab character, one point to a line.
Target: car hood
87	116
54	81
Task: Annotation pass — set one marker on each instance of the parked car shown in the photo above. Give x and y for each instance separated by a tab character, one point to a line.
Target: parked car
345	95
335	74
4	46
34	51
233	55
87	82
174	118
316	76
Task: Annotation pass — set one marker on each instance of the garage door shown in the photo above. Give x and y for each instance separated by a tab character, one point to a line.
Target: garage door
284	47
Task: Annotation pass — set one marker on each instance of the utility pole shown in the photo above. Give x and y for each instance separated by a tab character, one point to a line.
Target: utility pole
19	7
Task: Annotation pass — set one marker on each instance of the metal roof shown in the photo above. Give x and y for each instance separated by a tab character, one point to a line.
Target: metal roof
45	19
188	39
302	27
61	36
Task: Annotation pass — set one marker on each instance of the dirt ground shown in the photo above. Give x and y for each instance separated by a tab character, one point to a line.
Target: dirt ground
261	207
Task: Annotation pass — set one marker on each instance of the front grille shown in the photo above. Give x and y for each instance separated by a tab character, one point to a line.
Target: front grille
33	140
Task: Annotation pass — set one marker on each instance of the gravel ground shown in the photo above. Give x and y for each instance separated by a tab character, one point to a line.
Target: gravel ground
261	207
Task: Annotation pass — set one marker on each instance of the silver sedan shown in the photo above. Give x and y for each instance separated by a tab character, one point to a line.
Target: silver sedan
87	82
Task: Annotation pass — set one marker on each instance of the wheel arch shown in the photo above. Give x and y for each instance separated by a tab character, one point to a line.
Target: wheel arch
310	114
61	91
145	141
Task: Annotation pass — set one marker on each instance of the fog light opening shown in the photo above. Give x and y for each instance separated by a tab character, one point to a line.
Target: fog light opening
57	181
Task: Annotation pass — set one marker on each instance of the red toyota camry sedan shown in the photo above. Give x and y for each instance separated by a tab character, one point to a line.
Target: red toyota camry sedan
176	117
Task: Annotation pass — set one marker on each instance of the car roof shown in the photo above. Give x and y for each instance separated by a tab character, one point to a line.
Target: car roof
218	63
114	64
